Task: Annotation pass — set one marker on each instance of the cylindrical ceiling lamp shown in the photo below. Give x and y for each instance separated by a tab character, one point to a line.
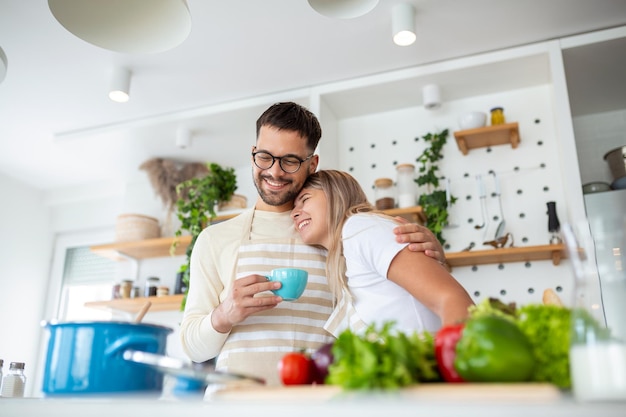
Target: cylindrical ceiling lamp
120	85
183	138
403	24
4	65
432	96
343	9
128	26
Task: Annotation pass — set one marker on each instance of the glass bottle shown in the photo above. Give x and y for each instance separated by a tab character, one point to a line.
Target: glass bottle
497	116
1	377
14	381
407	188
383	189
598	338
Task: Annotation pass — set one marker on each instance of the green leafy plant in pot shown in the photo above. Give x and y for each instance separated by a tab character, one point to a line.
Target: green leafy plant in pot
435	202
195	208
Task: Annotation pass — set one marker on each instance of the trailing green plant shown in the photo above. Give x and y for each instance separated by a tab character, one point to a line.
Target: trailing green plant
434	202
195	208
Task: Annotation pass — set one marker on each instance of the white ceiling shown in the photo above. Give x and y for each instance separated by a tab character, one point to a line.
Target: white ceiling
59	129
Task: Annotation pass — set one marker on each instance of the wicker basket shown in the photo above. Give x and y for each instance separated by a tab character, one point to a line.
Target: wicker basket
133	227
237	201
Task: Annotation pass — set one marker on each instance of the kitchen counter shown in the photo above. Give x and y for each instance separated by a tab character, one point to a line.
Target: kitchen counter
316	402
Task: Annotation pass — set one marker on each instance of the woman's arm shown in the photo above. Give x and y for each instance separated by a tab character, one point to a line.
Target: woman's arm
420	239
431	284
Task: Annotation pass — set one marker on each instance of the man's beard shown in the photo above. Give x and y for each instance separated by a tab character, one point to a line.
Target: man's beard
275	199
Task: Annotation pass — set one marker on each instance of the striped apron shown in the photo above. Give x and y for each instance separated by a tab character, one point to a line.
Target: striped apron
256	345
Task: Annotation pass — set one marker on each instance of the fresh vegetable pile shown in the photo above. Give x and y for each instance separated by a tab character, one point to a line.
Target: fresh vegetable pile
382	359
497	343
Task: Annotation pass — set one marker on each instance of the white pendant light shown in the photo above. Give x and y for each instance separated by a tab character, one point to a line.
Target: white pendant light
343	9
129	26
432	96
120	85
4	64
403	24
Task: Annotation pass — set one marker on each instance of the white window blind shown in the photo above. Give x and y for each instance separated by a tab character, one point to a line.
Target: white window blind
82	266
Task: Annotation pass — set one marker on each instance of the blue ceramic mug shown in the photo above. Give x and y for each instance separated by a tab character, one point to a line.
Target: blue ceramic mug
293	282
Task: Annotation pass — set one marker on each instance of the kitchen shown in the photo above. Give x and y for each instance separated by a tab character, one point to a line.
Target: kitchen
533	82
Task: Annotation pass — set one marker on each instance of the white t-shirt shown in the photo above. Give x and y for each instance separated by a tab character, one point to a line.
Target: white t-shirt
369	246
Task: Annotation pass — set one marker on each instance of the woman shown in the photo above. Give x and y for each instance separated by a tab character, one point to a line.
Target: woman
384	281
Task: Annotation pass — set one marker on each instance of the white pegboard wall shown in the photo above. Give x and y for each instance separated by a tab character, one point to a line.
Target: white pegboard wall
372	146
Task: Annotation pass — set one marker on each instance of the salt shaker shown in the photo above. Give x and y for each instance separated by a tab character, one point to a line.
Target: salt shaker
14	381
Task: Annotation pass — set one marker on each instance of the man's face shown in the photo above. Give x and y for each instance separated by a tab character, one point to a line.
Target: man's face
278	189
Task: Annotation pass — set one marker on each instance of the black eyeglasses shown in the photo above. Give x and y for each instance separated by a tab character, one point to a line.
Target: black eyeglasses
290	163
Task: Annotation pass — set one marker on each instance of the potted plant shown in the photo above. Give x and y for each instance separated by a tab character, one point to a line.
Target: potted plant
434	203
195	208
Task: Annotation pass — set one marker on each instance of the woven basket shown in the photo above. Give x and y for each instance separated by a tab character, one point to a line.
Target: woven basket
133	227
237	201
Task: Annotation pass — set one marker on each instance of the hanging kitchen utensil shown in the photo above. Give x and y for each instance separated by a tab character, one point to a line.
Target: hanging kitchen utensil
449	225
483	206
554	226
501	226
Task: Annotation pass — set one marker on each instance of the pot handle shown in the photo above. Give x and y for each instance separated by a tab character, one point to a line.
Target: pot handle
130	341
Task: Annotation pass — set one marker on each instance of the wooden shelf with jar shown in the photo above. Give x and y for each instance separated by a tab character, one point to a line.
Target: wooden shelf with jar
486	136
160	247
133	305
148	248
554	252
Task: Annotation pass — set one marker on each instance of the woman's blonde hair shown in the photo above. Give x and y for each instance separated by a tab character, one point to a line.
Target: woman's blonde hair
344	197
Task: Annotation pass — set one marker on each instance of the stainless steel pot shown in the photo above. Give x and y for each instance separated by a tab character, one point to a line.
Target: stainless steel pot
616	159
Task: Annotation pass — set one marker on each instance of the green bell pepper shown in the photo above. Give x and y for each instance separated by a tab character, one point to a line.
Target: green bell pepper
493	349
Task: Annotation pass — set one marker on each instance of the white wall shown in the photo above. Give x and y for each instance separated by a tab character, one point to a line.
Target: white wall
25	251
371	146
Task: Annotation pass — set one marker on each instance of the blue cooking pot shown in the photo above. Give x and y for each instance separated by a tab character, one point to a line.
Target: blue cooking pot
87	358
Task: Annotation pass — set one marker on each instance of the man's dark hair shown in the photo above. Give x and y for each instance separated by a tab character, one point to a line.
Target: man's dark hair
294	117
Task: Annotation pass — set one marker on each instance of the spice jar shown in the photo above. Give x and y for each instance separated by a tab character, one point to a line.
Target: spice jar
151	286
126	288
497	116
383	189
407	189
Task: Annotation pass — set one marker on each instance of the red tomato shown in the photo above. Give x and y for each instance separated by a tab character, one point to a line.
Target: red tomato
296	369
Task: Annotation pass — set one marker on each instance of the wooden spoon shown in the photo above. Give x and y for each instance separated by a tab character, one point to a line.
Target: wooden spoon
142	312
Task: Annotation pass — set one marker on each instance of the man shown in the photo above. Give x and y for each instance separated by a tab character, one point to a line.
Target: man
225	313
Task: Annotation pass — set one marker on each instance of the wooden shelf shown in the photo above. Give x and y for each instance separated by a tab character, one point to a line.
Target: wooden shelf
160	247
133	305
483	137
149	248
503	255
413	214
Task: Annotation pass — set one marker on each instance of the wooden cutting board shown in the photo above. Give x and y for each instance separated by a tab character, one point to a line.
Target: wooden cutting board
534	392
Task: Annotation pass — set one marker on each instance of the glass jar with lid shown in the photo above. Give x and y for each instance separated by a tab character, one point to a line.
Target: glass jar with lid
407	188
384	194
152	284
497	116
